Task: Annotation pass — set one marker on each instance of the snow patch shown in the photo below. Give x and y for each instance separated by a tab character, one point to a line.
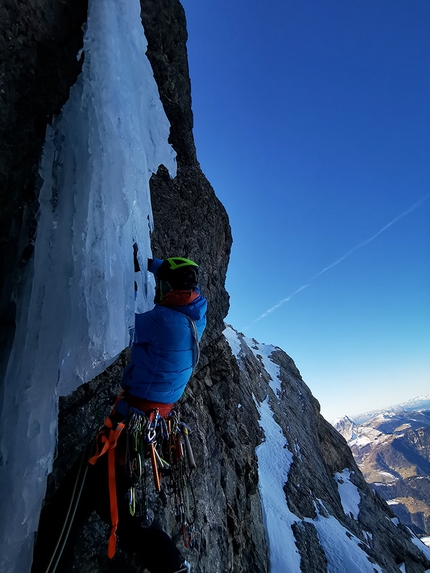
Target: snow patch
419	543
349	494
341	547
233	340
274	461
368	536
297	450
263	353
388	474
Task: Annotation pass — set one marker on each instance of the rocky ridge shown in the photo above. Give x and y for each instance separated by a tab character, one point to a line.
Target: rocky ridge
319	455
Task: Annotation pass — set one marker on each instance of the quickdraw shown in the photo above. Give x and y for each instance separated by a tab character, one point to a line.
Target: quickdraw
180	485
161	442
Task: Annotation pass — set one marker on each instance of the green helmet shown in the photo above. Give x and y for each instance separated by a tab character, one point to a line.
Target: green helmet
179	273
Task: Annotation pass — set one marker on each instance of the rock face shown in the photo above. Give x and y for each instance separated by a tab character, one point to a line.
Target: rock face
188	217
319	454
39	63
392	449
38	45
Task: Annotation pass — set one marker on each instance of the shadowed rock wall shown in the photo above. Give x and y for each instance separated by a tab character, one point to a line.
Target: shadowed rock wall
39	41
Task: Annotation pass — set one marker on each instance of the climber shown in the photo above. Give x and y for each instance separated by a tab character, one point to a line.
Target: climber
165	349
164	353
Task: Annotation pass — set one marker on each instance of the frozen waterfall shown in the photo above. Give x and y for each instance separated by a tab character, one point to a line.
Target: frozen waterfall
78	306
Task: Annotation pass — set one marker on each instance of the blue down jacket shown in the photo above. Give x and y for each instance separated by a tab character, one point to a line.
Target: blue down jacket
163	351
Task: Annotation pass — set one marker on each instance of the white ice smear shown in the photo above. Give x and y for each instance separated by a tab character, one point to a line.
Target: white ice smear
349	494
78	307
233	340
421	546
274	461
265	351
342	548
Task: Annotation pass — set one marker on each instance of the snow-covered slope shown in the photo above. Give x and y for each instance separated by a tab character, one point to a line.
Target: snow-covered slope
319	513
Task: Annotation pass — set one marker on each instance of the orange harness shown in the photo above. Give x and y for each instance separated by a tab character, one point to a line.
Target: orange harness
106	441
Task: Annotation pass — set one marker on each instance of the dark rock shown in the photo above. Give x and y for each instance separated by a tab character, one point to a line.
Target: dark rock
39	42
312	556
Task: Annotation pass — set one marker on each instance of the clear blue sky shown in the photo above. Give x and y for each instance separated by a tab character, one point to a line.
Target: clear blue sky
312	122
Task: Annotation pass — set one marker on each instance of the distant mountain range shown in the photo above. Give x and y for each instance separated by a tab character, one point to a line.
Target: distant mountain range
392	449
417	404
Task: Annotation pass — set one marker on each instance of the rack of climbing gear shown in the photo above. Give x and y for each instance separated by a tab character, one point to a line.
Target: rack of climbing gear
165	443
180	486
161	444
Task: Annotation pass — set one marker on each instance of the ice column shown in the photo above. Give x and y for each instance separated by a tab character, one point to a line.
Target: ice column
78	306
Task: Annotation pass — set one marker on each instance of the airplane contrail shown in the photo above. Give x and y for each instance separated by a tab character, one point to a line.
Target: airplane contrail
345	256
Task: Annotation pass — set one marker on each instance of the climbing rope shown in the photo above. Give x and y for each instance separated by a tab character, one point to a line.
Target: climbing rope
76	492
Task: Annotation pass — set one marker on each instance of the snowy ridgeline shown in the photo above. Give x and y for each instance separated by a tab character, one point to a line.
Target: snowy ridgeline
78	305
418	404
342	548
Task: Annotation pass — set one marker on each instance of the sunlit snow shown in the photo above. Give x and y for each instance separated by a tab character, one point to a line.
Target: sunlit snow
421	546
78	307
274	460
263	352
233	340
342	548
349	494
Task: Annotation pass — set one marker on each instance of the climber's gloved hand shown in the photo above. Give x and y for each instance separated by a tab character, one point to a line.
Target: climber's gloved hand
154	265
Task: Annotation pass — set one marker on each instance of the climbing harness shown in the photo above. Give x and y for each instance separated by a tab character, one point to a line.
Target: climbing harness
161	442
